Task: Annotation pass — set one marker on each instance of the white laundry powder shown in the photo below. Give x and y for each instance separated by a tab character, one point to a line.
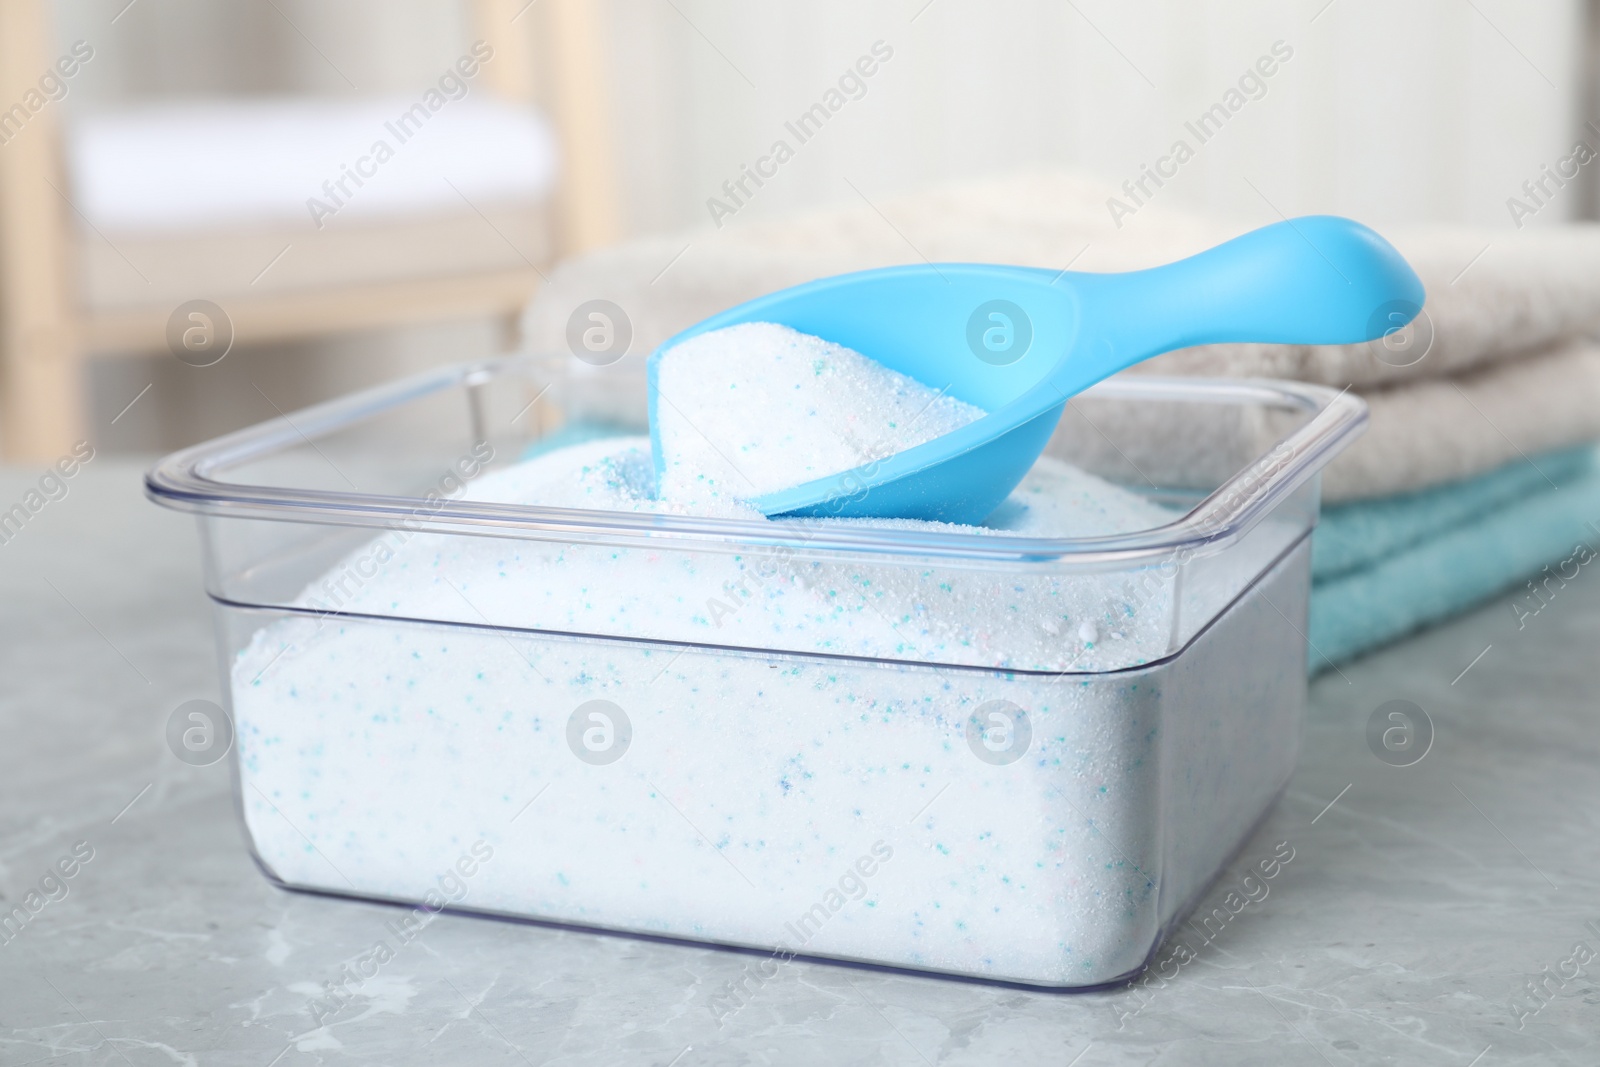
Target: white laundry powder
774	715
782	598
755	408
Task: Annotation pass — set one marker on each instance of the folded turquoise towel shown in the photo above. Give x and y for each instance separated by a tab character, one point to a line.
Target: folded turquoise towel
1385	568
1357	535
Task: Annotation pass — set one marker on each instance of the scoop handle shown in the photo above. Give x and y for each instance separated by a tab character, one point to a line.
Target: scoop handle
1316	280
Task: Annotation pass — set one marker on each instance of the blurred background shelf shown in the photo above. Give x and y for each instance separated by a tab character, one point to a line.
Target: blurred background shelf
257	202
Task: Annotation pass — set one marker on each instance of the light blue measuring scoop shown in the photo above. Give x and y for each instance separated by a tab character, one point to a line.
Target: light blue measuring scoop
1020	342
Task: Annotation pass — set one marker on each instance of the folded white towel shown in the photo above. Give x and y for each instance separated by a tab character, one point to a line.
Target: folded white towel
200	164
1500	378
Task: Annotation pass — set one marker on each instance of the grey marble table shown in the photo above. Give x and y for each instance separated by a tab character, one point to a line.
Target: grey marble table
1416	910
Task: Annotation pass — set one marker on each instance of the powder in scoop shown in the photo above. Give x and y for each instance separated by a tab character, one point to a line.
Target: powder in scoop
757	408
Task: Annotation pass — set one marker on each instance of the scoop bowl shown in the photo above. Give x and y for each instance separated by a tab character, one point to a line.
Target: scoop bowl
1020	342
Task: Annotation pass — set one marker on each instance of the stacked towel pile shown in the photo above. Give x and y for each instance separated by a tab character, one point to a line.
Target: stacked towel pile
1475	472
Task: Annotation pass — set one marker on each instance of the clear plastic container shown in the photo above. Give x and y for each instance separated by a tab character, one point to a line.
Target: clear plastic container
968	806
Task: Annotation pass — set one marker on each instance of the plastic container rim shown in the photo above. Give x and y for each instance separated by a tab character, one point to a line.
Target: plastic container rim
188	480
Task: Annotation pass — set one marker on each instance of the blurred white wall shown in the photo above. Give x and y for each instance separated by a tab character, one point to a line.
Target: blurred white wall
1423	110
1428	110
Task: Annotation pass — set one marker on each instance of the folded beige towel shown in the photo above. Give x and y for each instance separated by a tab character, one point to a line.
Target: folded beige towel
1423	433
1502	376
